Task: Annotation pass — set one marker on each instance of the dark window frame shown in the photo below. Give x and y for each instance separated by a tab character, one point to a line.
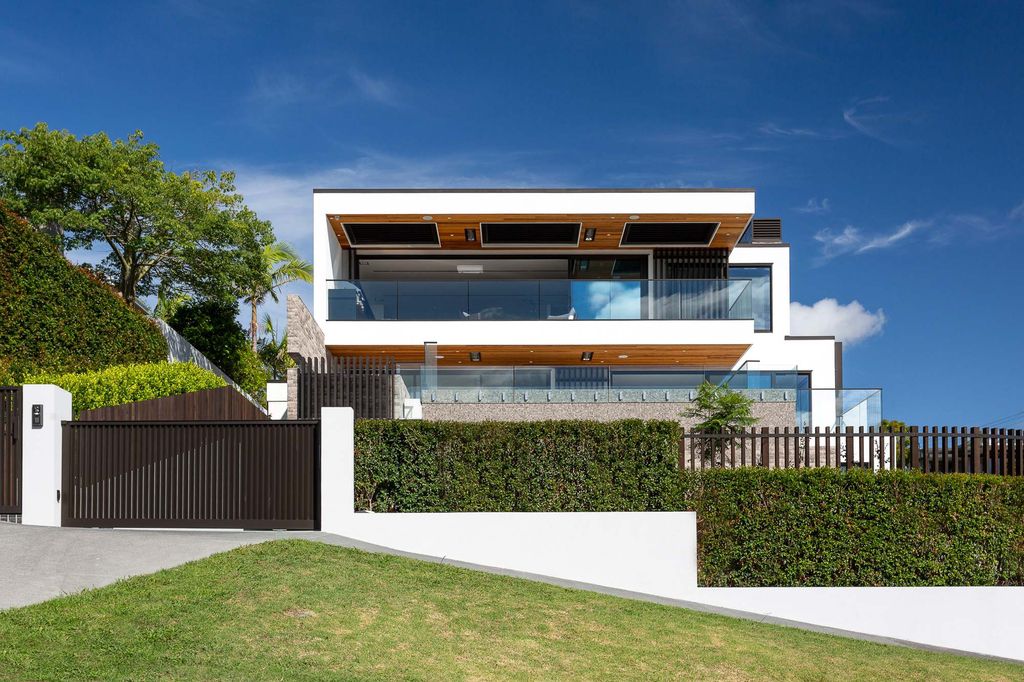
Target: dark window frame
771	292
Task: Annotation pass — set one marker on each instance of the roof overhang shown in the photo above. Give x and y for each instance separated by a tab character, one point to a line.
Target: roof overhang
601	214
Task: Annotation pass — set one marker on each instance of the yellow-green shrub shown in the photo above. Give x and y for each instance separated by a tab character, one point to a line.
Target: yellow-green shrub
129	383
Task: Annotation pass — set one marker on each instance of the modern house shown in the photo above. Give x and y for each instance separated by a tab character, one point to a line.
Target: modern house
578	303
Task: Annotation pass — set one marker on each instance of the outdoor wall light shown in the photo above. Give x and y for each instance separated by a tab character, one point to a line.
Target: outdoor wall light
474	356
470	235
634	217
589	234
587	356
428	217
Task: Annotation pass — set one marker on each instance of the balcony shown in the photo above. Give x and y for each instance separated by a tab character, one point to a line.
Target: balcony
541	299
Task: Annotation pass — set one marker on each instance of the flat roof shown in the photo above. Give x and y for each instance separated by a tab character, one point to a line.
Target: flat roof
527	190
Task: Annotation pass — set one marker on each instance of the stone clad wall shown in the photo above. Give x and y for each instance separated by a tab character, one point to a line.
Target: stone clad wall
769	414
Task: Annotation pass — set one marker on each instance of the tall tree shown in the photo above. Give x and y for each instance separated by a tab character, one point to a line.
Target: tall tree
274	351
185	231
280	265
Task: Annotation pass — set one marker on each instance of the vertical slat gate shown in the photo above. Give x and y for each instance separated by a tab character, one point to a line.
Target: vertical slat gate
194	474
366	384
10	449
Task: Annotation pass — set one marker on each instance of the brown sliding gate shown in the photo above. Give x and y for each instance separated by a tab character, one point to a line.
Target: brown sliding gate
10	449
366	384
191	474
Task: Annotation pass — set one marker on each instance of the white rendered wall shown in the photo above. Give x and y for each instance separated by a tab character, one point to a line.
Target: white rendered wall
984	620
277	400
655	553
538	332
41	453
649	552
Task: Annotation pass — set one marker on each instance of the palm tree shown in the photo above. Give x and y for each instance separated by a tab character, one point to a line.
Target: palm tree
282	265
274	352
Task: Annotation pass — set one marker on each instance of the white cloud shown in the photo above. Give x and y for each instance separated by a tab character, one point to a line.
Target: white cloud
850	323
1018	212
815	207
874	118
778	131
374	89
854	240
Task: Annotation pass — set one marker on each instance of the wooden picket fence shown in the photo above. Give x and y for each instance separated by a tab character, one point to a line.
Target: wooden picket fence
935	449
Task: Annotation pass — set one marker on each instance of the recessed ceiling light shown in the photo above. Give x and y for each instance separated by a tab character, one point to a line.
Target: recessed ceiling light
634	217
623	357
428	217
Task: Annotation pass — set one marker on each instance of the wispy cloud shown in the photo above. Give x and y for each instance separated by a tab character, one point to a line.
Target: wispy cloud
773	130
274	89
938	230
373	88
850	322
856	241
813	206
875	118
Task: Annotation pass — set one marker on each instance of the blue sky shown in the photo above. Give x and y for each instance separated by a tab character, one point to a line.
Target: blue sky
888	137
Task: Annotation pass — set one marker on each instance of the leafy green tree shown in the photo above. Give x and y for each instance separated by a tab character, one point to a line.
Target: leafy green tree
274	352
211	326
280	265
185	231
718	410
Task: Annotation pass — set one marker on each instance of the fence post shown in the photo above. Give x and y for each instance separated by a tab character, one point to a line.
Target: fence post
42	452
915	450
764	447
849	447
975	450
682	448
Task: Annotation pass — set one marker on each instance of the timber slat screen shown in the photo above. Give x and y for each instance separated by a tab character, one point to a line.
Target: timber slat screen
366	384
215	403
936	449
10	450
212	474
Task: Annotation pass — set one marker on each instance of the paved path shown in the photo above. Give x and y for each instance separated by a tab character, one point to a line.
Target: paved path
39	563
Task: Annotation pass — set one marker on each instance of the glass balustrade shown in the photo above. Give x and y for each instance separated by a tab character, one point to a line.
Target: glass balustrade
546	299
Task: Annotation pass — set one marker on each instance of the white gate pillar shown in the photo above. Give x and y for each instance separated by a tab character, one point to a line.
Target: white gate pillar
44	406
337	469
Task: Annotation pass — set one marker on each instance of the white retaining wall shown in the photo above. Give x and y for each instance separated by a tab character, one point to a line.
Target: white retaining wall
641	552
656	554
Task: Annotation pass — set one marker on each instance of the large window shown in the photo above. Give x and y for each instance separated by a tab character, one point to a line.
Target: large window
760	277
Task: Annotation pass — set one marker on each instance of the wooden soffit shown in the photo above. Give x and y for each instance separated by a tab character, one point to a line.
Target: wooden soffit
452	227
684	355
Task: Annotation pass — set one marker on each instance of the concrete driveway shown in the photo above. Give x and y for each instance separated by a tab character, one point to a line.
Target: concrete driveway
38	563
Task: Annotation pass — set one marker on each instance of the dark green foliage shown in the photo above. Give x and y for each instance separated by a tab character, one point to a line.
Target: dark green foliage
756	527
825	527
420	466
211	327
54	316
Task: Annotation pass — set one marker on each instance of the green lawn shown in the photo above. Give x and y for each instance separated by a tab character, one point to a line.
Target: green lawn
297	609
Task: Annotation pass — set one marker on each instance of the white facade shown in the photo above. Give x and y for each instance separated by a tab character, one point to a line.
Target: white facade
773	350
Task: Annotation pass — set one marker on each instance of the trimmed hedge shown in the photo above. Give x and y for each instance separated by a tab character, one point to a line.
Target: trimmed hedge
57	317
756	527
421	466
129	383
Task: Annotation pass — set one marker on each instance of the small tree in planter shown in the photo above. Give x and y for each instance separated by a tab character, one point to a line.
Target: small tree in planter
718	410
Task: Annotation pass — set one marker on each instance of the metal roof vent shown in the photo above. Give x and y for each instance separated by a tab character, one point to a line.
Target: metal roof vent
766	230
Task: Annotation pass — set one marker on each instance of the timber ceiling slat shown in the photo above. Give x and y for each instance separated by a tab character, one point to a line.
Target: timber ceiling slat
684	355
451	227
